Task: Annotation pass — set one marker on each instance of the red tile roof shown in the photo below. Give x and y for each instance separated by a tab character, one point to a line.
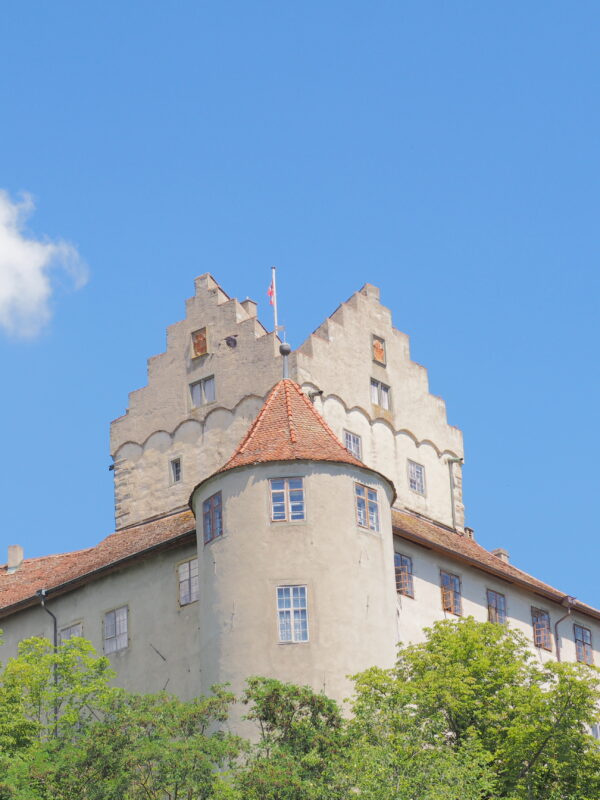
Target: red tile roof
289	428
455	545
66	570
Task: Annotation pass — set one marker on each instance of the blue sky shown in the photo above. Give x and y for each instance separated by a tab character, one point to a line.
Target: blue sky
447	152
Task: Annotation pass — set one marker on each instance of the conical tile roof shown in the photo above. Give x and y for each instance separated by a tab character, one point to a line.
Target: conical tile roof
288	428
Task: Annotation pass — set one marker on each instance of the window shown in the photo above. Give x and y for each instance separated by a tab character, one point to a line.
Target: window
542	636
188	582
380	394
367	509
378	350
595	730
404	578
451	598
212	517
292	613
175	470
496	603
76	629
583	644
353	444
203	391
115	630
416	477
287	499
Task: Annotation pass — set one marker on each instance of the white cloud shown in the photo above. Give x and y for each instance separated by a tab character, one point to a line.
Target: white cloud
27	266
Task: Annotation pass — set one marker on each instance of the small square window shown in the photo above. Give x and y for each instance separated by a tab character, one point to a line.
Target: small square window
583	644
451	594
189	588
367	507
76	629
212	517
542	635
353	444
175	470
116	630
287	499
404	575
203	392
292	612
380	394
416	477
496	603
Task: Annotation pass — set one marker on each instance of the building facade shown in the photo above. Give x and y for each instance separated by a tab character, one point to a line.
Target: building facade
326	521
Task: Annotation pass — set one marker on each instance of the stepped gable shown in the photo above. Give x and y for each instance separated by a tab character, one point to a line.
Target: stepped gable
288	428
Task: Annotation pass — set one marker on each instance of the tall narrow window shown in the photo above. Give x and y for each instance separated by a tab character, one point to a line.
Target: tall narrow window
175	470
287	499
115	630
380	394
212	517
496	603
367	507
203	392
404	575
292	613
353	444
583	644
542	636
451	596
188	582
76	629
416	477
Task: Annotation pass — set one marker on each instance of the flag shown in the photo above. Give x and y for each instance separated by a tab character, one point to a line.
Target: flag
271	293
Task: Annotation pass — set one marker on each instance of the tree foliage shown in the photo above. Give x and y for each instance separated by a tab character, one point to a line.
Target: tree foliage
469	714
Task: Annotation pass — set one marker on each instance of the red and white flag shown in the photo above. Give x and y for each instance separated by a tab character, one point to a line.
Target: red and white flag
271	294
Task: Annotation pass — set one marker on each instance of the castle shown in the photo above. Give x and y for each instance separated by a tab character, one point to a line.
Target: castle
286	515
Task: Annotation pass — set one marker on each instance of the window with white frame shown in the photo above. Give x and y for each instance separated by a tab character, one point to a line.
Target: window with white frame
380	394
416	477
189	588
404	575
116	630
175	470
76	629
203	392
287	499
496	603
583	644
292	612
451	594
367	507
212	517
353	444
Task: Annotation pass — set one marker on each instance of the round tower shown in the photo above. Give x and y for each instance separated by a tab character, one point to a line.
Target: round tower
295	556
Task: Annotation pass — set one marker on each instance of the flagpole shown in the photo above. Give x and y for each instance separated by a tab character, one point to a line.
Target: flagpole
273	269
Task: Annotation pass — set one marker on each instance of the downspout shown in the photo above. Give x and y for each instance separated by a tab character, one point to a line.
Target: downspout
450	462
569	602
42	594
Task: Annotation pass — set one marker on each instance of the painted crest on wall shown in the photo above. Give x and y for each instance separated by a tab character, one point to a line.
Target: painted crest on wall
199	343
378	350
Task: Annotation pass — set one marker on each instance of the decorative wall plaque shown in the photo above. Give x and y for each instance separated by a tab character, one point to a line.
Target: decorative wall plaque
378	350
199	343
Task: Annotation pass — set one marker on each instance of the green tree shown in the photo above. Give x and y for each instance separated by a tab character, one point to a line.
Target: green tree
301	744
74	737
471	713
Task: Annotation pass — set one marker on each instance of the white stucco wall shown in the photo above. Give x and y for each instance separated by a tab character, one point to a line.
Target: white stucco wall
348	572
156	623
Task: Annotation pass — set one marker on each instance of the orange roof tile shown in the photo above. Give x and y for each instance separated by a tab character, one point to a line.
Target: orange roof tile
18	590
456	545
289	428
